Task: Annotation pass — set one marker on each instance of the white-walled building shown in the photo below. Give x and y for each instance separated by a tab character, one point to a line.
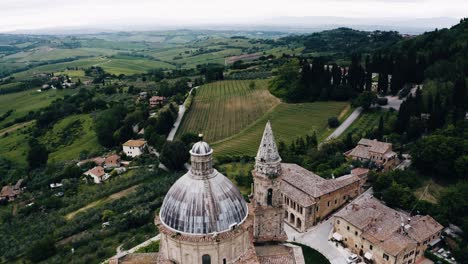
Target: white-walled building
98	174
134	148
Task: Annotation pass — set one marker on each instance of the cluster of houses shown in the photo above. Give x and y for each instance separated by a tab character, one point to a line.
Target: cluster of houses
55	82
105	166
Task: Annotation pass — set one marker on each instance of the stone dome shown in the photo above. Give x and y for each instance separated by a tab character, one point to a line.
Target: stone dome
203	205
201	148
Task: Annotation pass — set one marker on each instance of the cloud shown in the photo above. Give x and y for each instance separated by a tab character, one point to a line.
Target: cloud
27	14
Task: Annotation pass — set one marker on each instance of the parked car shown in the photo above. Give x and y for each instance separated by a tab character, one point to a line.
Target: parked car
353	258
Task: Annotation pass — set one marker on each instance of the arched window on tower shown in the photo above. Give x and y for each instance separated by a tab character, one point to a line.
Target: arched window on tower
270	197
206	259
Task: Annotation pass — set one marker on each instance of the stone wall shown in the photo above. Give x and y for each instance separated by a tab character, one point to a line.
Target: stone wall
222	250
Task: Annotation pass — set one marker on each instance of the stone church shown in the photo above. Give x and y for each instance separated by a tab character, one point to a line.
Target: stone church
205	220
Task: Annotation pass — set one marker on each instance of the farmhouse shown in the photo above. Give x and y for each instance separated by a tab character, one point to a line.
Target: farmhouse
112	161
383	235
155	101
9	192
134	148
98	174
380	153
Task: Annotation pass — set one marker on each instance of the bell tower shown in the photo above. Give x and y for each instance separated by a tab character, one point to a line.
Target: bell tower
267	203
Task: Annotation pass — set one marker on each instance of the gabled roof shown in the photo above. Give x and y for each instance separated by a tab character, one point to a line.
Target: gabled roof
422	227
97	171
375	146
382	225
134	143
310	183
112	159
268	152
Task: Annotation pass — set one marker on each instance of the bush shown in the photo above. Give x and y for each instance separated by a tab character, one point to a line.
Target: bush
333	122
382	101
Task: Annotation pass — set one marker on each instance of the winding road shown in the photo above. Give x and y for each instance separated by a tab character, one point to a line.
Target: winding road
339	130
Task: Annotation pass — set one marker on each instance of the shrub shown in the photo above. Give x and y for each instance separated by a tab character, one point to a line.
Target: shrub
382	101
333	122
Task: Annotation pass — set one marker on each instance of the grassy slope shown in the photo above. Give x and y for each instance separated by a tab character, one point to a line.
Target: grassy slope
26	101
84	139
289	121
130	65
15	145
222	109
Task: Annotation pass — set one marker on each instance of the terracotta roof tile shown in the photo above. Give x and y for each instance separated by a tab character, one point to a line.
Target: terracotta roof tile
310	183
135	143
382	225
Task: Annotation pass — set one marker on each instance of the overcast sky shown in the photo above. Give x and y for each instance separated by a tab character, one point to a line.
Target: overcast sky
39	14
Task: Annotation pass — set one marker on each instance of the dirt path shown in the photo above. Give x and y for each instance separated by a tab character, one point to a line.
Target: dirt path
15	127
107	199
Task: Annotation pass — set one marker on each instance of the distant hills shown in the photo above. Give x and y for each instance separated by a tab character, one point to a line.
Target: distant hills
310	24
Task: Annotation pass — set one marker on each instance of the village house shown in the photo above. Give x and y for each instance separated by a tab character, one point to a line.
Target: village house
98	174
9	192
155	101
380	153
134	148
383	235
112	161
309	198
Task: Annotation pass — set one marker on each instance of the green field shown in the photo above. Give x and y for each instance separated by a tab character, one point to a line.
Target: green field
289	121
23	102
132	65
14	146
367	121
222	109
69	137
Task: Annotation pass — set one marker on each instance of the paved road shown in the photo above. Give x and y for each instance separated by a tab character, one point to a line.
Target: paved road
317	238
393	102
173	132
339	130
180	115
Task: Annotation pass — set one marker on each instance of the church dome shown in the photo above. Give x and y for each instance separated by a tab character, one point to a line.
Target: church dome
203	205
203	201
201	148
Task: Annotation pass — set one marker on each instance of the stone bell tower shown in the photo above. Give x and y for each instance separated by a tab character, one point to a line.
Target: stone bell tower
267	203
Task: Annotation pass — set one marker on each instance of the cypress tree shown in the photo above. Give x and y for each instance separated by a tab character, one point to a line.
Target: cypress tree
380	130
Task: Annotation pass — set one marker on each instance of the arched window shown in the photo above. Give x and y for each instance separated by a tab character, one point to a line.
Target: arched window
206	259
224	261
270	197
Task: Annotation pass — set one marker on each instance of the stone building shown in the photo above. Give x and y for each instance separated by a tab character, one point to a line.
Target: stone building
309	198
380	153
383	235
